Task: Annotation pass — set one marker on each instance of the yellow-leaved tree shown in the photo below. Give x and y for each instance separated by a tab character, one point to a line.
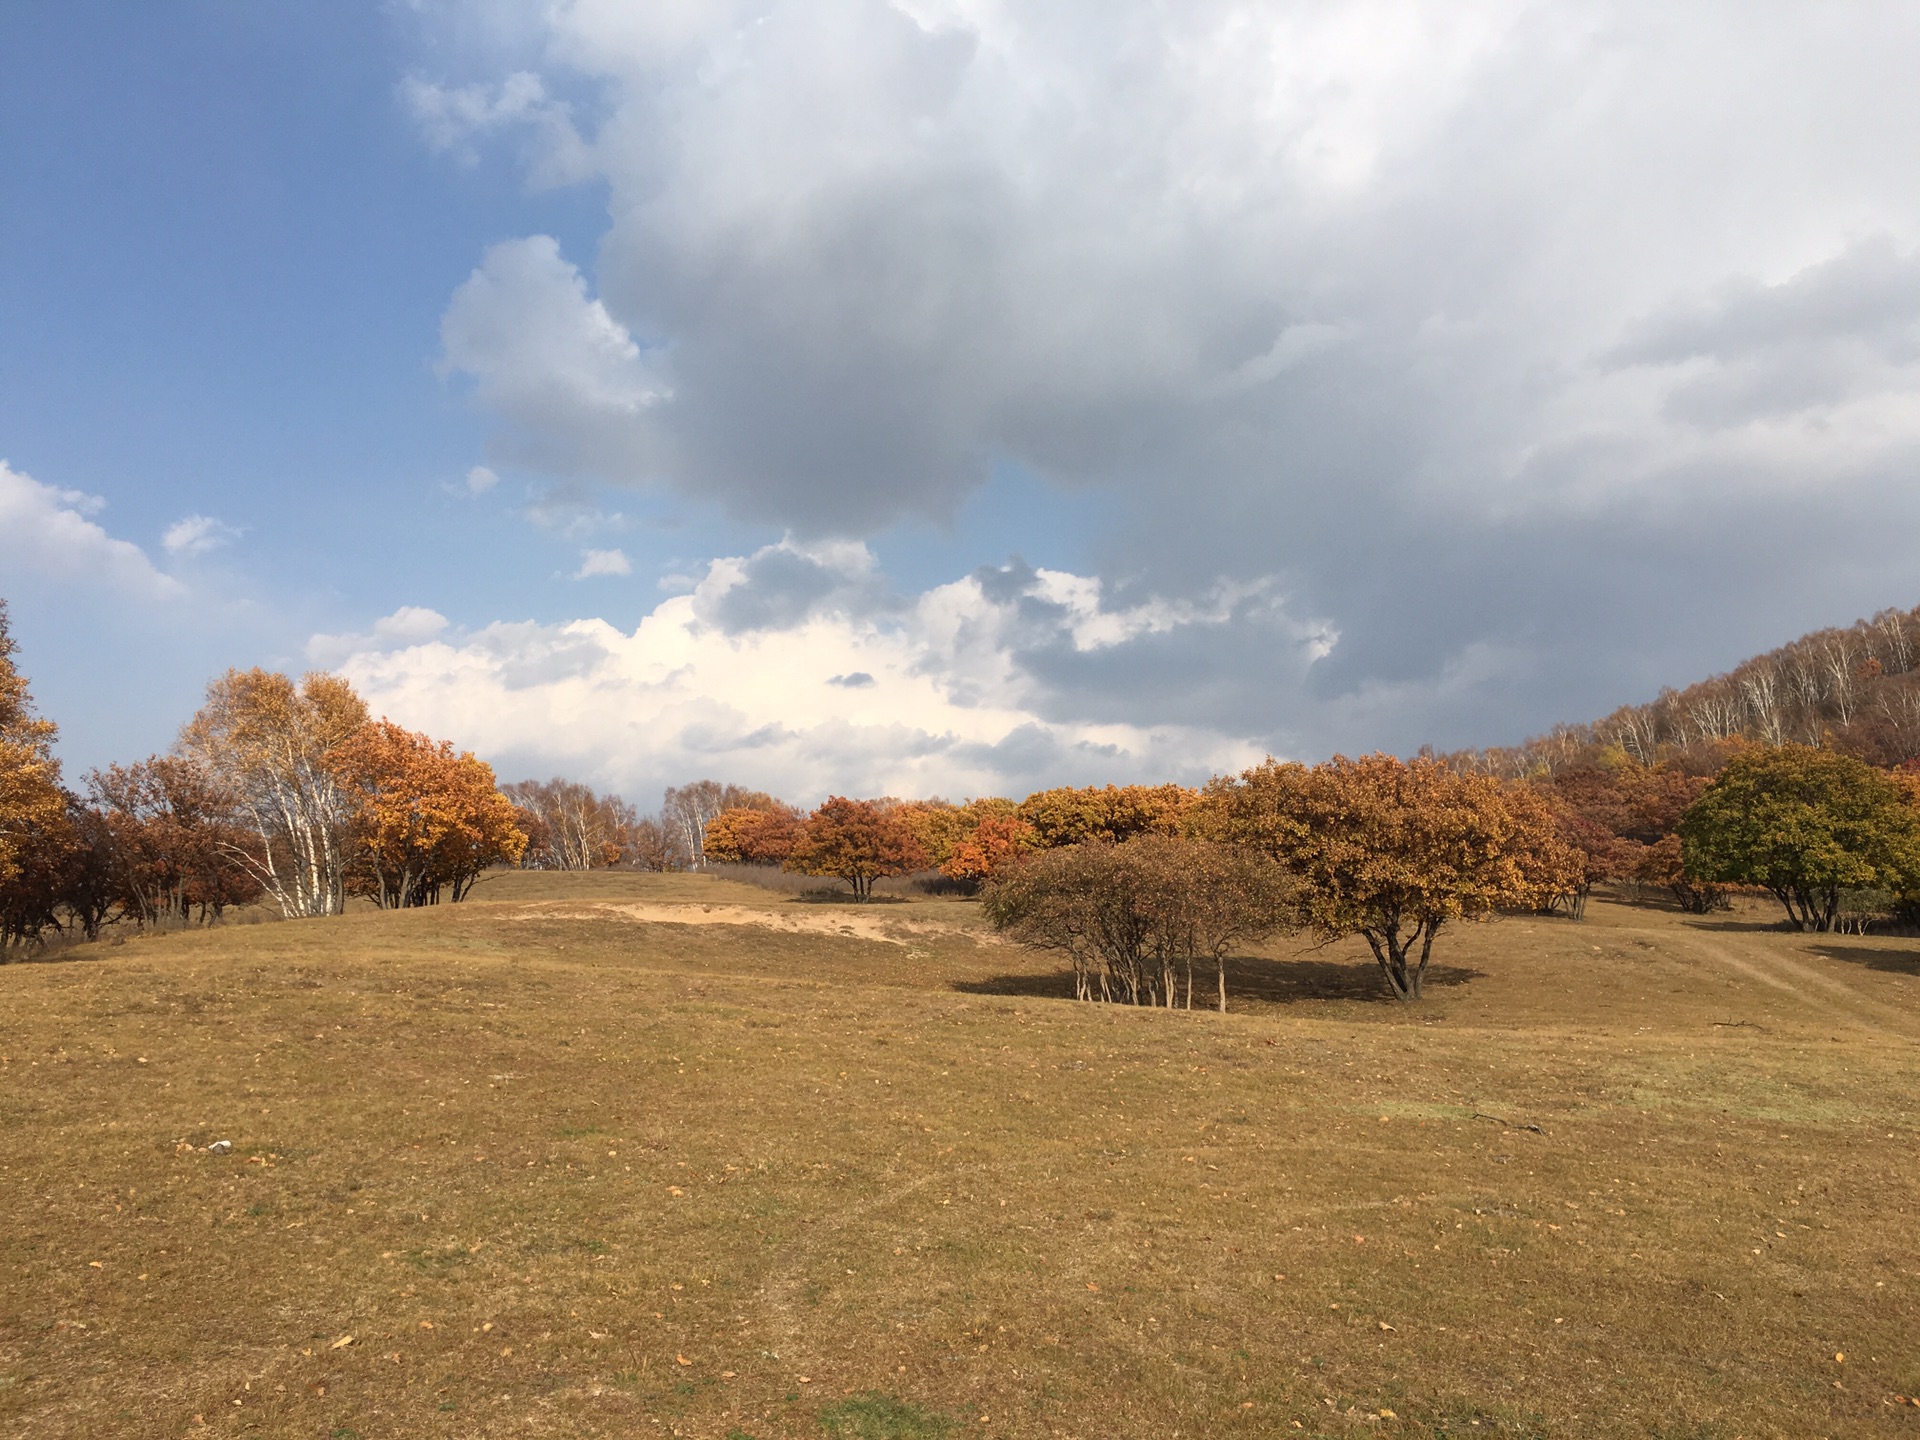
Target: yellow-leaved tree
273	745
33	807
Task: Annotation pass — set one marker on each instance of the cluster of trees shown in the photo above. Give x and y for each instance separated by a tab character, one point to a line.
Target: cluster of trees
277	791
1139	885
1835	715
968	843
570	827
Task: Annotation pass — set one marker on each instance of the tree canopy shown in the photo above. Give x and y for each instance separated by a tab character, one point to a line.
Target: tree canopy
1135	918
31	801
1395	850
858	842
1804	824
425	818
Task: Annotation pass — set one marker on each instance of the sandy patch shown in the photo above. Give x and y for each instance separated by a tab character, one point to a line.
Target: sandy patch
891	930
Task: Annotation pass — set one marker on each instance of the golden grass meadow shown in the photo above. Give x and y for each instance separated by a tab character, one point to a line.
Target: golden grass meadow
625	1155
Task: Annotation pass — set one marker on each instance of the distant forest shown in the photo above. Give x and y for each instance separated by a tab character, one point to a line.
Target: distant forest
1854	690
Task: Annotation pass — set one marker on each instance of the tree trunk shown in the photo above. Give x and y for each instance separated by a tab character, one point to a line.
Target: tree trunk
1405	977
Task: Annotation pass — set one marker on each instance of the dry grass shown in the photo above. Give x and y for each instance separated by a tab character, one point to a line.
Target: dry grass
560	1171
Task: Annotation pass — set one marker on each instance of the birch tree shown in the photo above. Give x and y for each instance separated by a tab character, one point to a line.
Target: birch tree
273	744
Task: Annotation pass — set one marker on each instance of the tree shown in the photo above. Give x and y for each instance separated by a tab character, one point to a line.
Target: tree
173	840
272	745
1804	824
426	819
31	801
687	810
1394	851
856	841
1067	816
995	843
1133	919
569	827
752	837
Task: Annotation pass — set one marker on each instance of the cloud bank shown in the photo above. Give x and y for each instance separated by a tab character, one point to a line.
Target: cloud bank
1542	352
955	691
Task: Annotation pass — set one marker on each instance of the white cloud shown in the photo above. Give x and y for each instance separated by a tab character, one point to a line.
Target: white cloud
409	625
567	374
452	118
51	532
197	534
1459	317
932	696
603	562
480	480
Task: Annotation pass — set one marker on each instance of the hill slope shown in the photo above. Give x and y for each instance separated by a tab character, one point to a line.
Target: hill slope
559	1165
1856	689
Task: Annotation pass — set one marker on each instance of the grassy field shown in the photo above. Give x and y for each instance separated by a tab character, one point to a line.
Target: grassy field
620	1155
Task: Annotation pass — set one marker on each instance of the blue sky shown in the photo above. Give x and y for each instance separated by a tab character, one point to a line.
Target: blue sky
1130	393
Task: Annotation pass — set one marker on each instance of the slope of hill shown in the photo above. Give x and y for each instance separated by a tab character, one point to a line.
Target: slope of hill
554	1164
1855	689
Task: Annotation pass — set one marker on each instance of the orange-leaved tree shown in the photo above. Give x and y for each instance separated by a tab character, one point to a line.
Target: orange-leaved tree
38	840
994	843
856	841
426	819
740	836
1394	850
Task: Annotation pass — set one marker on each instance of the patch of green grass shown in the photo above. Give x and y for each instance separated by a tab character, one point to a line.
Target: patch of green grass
874	1416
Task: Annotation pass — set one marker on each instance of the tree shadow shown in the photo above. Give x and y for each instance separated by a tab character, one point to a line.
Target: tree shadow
1727	926
1249	978
1875	957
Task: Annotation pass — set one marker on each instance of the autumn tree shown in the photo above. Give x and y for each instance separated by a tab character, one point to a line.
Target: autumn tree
31	801
1805	825
937	824
37	838
1068	816
427	820
174	840
571	827
1134	919
1395	851
858	842
272	743
995	843
741	836
687	810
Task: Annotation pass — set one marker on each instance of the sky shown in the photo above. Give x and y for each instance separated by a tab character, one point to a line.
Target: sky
948	396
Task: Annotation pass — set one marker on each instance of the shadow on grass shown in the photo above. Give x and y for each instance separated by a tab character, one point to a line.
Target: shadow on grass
1740	927
1272	982
1894	960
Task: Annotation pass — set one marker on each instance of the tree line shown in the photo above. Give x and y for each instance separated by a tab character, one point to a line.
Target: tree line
278	792
288	793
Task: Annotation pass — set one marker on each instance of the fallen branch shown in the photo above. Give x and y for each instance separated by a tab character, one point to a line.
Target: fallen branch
1478	1115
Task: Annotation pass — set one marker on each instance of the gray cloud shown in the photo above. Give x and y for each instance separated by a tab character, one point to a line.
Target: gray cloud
1473	331
781	586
